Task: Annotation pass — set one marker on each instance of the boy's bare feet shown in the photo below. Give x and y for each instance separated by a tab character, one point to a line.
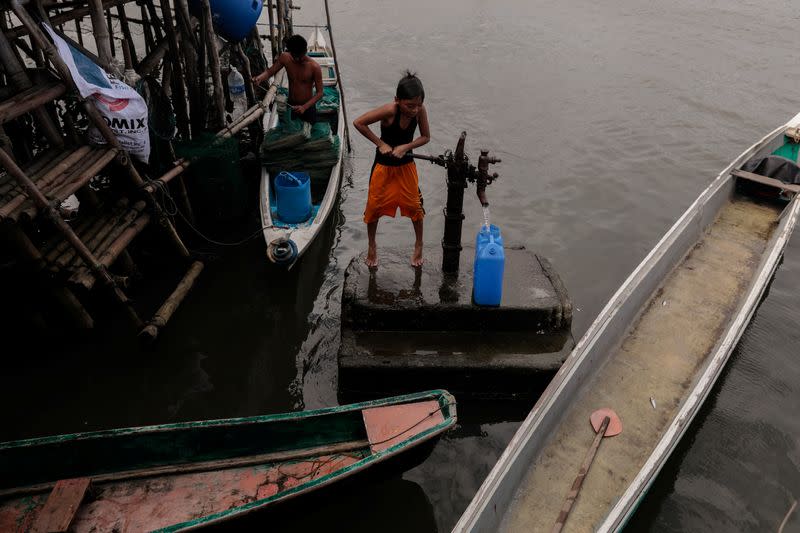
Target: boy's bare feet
372	256
416	259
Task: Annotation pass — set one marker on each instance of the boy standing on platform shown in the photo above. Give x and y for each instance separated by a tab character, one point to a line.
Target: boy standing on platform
394	182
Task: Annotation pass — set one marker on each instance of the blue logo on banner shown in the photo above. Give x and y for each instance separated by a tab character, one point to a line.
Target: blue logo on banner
88	70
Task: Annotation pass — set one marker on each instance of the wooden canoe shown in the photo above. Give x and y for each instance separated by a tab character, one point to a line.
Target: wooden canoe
287	242
186	476
652	355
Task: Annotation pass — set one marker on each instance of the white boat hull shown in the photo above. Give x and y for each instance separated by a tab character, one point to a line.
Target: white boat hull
487	509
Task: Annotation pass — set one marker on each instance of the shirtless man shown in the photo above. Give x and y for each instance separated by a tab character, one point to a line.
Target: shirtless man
304	76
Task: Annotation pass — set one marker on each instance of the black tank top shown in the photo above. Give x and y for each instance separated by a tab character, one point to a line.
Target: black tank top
394	135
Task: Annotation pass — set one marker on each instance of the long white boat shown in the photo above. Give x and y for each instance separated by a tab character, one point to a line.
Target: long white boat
652	355
287	241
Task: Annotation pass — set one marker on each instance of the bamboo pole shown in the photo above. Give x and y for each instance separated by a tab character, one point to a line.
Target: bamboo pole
281	31
339	79
54	217
153	58
273	44
166	311
178	88
247	74
79	30
100	31
194	83
110	34
214	65
126	33
147	30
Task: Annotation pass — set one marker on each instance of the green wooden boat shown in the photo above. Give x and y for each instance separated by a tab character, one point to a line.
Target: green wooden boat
178	477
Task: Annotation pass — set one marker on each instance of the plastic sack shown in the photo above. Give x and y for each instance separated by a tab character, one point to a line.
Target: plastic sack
123	109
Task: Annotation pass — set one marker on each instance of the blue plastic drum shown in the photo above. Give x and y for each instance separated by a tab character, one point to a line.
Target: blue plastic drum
233	19
293	196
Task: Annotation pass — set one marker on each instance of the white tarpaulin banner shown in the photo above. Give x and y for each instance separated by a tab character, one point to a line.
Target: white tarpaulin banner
123	108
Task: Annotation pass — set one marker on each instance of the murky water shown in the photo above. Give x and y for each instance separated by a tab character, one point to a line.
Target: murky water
610	118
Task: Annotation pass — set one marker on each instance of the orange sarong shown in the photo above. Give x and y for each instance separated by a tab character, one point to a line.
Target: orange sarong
393	187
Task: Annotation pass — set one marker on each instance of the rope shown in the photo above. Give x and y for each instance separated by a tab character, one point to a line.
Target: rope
448	404
171	209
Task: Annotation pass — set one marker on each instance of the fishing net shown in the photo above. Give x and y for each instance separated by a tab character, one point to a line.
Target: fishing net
215	180
315	150
328	103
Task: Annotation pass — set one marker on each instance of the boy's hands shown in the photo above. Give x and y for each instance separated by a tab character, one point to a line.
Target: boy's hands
400	151
384	149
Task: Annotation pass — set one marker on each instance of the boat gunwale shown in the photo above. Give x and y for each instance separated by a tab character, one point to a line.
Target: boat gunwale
475	516
230	422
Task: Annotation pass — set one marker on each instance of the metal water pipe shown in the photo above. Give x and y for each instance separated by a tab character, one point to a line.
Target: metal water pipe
459	173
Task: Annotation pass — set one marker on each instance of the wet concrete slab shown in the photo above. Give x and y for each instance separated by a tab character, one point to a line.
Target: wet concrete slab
406	328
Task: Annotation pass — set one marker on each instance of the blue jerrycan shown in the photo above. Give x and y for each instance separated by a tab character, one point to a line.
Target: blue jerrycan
293	195
490	259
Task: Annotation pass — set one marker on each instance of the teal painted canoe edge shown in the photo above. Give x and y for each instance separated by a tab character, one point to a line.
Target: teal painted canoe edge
447	405
297	415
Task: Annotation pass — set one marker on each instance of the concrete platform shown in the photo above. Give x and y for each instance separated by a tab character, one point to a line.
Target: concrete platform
404	328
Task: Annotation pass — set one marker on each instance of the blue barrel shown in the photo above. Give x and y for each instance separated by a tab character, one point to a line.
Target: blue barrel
490	260
293	196
233	19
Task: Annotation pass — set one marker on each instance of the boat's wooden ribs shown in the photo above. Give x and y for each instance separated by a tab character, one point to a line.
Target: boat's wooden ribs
765	180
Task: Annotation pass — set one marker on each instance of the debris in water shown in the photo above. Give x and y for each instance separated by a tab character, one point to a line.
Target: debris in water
664	303
652	402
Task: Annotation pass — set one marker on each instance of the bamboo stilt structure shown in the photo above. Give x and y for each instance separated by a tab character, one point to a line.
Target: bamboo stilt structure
338	78
52	214
98	121
100	31
214	65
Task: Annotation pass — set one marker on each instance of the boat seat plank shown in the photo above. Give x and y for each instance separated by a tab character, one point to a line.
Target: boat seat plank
765	180
62	505
391	424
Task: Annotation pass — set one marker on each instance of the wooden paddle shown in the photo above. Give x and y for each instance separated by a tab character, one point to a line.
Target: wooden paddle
605	423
